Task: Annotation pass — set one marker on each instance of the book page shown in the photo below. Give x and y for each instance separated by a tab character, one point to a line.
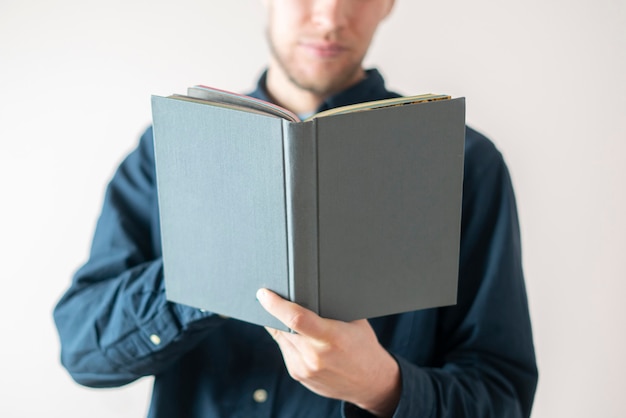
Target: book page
241	101
377	104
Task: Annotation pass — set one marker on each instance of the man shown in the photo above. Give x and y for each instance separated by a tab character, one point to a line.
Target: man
472	359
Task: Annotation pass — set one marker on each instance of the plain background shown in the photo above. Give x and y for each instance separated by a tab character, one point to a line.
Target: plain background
544	79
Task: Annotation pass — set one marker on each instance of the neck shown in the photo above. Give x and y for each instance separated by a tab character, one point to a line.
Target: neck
288	95
284	92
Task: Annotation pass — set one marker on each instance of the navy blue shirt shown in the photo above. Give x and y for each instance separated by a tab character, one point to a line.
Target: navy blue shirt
472	359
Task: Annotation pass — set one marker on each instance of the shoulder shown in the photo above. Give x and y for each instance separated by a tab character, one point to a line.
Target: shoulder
136	173
480	151
482	159
142	157
146	144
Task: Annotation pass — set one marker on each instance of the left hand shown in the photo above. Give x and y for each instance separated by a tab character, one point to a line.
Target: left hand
335	359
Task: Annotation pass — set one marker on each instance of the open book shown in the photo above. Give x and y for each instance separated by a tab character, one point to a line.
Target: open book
251	104
352	213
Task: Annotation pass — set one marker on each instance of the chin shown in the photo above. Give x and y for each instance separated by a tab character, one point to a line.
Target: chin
327	81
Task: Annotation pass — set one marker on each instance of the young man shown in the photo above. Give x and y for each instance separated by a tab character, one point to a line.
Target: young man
472	359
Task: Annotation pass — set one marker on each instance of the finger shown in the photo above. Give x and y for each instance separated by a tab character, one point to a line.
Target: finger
292	355
301	359
294	316
283	340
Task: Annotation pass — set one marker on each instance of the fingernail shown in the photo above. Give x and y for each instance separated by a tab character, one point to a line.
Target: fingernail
260	294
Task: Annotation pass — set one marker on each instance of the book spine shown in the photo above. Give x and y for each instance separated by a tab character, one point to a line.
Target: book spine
300	158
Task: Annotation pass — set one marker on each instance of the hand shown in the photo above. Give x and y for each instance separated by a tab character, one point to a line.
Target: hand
335	359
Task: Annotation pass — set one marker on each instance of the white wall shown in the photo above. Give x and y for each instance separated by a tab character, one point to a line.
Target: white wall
544	79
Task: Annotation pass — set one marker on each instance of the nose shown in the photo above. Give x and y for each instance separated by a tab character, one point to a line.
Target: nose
330	14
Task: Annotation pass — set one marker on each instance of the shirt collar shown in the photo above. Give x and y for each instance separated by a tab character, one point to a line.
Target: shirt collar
372	87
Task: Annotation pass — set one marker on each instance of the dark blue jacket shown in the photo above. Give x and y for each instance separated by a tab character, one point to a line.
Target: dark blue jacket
475	359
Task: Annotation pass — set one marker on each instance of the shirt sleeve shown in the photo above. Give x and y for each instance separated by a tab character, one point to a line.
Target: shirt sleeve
114	322
485	364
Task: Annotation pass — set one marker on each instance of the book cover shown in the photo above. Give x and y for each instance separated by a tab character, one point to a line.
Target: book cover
353	214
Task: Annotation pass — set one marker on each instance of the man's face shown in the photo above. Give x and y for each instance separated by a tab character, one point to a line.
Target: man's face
320	44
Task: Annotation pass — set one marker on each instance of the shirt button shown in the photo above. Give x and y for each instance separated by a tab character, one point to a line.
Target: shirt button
259	395
156	340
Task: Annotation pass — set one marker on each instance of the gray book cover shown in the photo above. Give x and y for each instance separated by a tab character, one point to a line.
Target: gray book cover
354	215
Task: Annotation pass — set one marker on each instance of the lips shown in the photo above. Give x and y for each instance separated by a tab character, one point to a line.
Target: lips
324	49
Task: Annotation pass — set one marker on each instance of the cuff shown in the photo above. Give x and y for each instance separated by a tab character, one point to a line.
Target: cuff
418	395
349	410
416	399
